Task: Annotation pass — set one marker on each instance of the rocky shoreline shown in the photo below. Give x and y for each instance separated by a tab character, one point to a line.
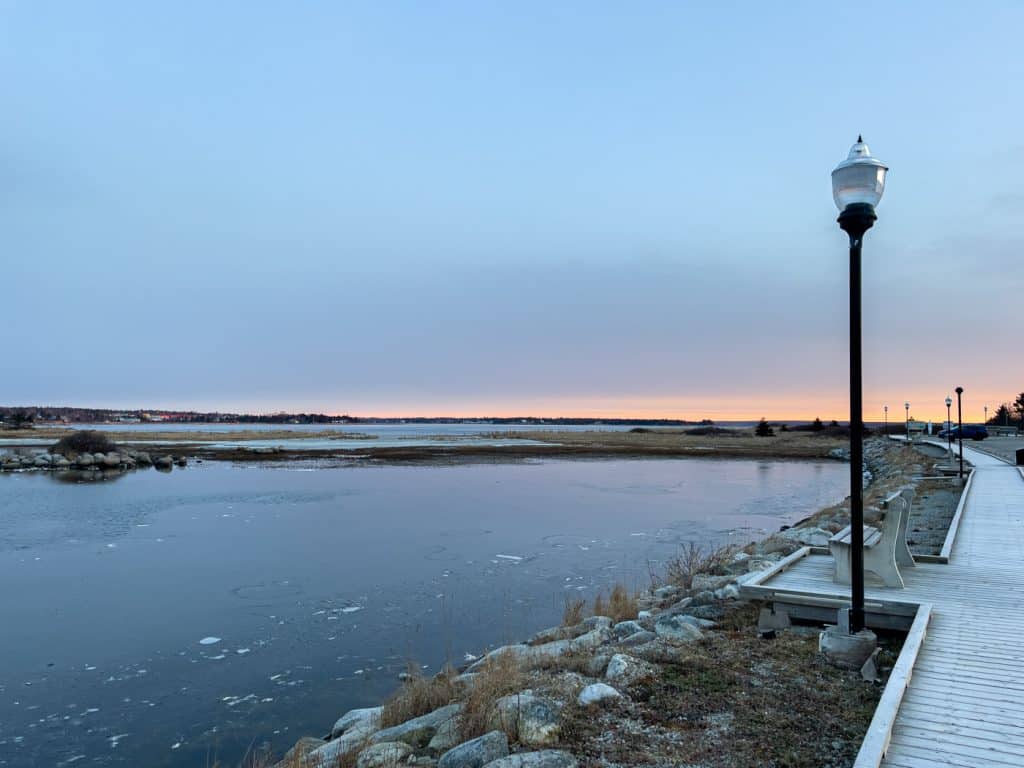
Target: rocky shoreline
676	676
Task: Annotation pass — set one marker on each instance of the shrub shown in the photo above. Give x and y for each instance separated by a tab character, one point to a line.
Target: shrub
764	429
84	441
693	559
418	696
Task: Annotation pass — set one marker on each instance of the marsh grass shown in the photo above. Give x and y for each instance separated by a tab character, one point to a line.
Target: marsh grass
573	613
419	695
499	676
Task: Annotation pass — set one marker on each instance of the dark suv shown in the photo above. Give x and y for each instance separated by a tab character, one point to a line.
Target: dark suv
971	432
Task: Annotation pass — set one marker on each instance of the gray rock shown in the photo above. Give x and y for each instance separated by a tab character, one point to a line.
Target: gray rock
530	719
638	638
596	622
476	753
626	628
356	737
627	670
546	758
703	598
42	461
142	459
386	754
418	732
677	628
595	693
354	717
181	461
163	462
111	460
448	735
811	537
703	581
61	463
85	460
728	592
668	592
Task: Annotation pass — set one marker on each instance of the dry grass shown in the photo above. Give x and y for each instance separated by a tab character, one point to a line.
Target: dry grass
418	696
693	559
622	604
499	676
573	613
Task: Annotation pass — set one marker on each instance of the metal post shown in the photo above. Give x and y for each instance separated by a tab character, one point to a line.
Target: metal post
886	408
949	430
907	423
960	427
855	220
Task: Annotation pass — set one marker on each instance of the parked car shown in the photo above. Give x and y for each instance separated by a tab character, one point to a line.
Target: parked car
971	432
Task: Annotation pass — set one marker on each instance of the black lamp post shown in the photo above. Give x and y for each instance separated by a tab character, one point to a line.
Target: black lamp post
857	185
960	427
886	409
949	427
907	423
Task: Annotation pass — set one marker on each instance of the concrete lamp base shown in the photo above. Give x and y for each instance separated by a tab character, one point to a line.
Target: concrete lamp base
844	649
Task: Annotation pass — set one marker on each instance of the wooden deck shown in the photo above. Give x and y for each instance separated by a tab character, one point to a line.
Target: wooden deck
964	705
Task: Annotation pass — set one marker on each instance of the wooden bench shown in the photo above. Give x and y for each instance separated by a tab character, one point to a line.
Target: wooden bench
885	548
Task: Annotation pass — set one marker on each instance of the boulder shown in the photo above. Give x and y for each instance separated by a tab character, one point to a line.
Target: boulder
546	758
477	752
42	461
61	463
810	537
181	461
163	462
528	718
638	638
703	581
354	738
142	459
85	460
626	628
596	693
111	460
418	732
627	670
678	628
354	717
448	735
387	754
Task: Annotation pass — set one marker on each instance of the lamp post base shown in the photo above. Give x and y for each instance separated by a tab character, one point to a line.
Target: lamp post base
845	649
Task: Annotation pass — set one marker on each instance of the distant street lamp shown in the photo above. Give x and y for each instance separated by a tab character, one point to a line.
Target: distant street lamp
960	427
907	406
886	409
857	186
949	427
986	415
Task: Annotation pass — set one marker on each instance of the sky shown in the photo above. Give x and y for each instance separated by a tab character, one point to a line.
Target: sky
614	209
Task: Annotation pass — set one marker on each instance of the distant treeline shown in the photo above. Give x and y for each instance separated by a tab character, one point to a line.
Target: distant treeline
29	415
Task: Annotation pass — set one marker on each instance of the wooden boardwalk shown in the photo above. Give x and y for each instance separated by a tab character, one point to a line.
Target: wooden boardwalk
964	705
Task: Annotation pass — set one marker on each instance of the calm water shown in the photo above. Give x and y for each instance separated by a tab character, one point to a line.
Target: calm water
312	589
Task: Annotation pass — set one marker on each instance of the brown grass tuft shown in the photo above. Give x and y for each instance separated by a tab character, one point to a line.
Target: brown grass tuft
622	604
599	606
418	696
573	613
499	676
693	559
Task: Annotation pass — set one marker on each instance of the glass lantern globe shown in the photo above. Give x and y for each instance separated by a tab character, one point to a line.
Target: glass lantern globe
860	178
949	401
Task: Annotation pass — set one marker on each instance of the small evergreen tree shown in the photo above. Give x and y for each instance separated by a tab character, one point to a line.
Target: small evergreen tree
817	426
764	429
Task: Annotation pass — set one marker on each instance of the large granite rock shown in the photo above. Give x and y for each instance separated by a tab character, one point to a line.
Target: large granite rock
595	693
418	732
627	670
477	752
531	719
387	754
356	717
678	628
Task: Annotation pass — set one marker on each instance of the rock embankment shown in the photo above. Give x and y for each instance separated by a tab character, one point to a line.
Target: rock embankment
685	678
88	463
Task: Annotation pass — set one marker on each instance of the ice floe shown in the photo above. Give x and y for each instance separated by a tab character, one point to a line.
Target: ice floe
209	640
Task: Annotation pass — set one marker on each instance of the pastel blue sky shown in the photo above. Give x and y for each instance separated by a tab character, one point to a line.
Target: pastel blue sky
505	207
